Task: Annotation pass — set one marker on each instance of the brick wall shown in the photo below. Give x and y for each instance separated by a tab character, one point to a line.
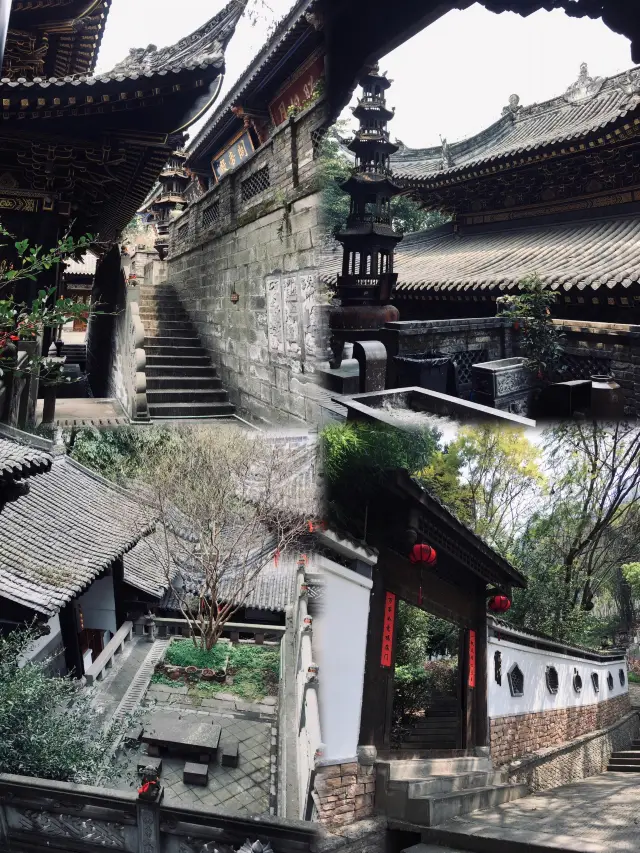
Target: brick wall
523	734
586	756
605	348
263	248
345	793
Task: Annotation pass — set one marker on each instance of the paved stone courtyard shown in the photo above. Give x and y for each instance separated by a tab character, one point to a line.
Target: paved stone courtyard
600	814
249	787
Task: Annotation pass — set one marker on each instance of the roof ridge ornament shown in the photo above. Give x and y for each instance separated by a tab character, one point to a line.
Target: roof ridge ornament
447	158
513	107
585	88
630	83
204	46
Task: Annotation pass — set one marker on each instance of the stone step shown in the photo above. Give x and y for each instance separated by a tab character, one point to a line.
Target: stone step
186	395
426	744
627	759
168	327
193	410
177	360
174	352
631	753
161	381
183	340
437	809
449	784
417	769
615	767
430	848
194	371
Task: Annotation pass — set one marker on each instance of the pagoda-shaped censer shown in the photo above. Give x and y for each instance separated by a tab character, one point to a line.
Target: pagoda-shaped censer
367	278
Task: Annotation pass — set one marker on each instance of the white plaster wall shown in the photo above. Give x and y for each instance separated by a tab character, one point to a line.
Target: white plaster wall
98	605
41	642
534	663
340	638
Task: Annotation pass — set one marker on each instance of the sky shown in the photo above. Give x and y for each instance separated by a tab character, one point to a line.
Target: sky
137	23
453	78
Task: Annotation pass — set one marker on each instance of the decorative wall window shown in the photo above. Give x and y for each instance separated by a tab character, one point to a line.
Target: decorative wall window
609	681
621	677
183	231
516	680
577	681
551	677
255	184
595	680
497	667
464	361
211	213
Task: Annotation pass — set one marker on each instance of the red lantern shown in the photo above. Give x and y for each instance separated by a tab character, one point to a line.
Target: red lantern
423	553
499	603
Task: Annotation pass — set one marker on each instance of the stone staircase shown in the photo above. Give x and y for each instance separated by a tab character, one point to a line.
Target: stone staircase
431	791
181	381
438	729
626	761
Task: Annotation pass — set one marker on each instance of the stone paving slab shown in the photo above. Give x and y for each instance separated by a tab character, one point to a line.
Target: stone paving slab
600	814
245	788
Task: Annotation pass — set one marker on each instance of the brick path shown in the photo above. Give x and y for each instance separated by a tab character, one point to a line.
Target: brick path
597	815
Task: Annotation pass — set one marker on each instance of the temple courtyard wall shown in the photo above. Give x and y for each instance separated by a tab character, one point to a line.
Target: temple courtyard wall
242	260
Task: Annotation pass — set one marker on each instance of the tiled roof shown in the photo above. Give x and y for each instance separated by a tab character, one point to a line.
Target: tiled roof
288	27
18	460
524	129
586	255
55	540
87	266
145	568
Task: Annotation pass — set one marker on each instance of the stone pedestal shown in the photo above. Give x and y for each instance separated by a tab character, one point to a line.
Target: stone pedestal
506	384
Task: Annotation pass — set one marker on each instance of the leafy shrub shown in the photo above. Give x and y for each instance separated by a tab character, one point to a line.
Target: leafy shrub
118	454
47	725
417	687
184	653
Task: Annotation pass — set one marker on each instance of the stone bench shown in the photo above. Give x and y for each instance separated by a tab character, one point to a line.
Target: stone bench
106	656
230	754
195	774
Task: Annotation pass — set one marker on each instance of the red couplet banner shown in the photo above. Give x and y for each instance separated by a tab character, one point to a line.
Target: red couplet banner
472	659
387	631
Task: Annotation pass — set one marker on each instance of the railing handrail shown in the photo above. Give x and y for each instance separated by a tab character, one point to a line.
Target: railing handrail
117	642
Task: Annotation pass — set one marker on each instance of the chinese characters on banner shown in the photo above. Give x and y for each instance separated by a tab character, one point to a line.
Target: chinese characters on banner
472	659
233	155
298	91
387	629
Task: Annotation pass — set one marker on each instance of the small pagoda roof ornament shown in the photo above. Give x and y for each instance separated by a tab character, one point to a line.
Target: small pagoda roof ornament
513	107
447	158
630	83
585	88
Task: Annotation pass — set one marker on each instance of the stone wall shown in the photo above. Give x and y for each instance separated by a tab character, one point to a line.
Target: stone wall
345	793
479	339
585	756
366	836
255	234
612	348
523	734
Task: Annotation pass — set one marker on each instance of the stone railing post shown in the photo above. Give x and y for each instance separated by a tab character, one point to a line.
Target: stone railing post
148	813
140	409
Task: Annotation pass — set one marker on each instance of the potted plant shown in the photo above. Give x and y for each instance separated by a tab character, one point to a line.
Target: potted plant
208	674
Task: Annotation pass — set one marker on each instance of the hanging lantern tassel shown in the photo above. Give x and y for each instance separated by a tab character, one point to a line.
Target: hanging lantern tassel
276	558
499	603
420	596
423	553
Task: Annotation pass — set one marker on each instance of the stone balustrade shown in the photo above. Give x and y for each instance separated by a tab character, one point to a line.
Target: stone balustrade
157	626
39	814
114	647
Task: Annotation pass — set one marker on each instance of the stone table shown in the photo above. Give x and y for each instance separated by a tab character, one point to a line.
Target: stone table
195	735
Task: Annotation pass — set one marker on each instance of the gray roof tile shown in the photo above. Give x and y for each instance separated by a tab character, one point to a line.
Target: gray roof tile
551	122
55	540
19	460
585	255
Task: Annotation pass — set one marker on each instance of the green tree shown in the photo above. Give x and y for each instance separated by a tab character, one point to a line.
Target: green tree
487	475
47	725
335	167
356	457
540	340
